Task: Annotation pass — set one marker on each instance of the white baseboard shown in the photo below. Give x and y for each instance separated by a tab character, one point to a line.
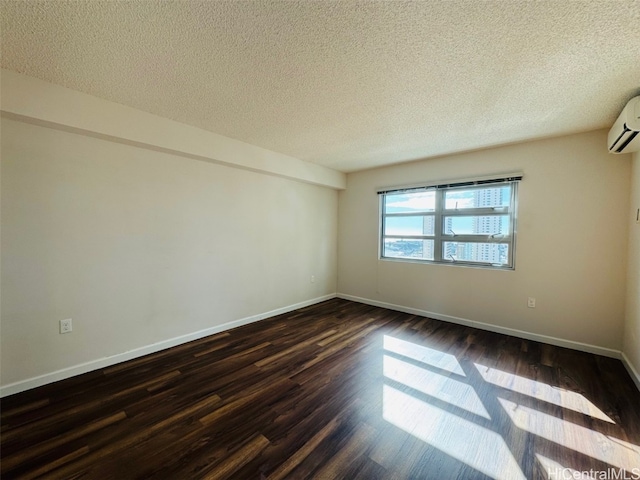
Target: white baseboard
92	365
584	347
635	376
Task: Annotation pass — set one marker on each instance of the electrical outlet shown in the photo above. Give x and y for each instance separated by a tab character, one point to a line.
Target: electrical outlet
531	302
313	279
66	326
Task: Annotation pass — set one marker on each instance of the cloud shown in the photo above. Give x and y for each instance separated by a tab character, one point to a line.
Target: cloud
416	202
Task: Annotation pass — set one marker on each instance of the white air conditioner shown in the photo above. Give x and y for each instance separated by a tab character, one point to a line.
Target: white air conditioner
624	136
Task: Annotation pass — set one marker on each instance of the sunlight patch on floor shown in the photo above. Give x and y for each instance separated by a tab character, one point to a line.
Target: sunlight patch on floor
558	396
429	356
438	386
589	442
476	446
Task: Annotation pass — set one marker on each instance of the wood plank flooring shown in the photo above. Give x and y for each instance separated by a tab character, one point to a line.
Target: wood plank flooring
338	390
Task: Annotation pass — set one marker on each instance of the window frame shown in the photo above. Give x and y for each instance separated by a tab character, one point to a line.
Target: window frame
440	213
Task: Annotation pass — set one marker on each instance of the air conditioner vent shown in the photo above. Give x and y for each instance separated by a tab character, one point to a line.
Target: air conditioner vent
623	136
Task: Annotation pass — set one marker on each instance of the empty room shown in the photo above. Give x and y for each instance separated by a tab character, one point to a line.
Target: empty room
292	239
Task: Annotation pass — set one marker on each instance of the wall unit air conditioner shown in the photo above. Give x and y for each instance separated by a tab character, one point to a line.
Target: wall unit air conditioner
624	136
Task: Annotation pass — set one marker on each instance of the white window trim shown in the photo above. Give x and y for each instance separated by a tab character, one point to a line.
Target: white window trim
440	213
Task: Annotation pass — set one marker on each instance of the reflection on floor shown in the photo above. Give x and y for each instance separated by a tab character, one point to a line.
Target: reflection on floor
484	448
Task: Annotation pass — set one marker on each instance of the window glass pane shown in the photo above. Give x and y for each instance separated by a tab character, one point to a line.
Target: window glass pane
410	202
399	248
422	225
464	225
496	253
478	197
474	225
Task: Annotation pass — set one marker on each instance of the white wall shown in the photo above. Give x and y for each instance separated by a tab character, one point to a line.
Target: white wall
571	247
631	346
138	246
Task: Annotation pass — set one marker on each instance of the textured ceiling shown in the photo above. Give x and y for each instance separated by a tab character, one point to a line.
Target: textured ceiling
345	84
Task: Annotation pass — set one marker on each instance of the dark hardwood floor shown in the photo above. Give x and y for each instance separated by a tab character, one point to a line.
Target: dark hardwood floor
335	390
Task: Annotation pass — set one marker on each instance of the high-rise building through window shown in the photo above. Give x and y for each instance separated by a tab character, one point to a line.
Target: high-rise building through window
459	223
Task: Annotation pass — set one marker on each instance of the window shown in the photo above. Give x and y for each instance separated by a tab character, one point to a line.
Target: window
463	223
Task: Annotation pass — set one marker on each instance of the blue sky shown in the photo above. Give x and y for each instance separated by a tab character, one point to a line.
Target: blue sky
425	202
